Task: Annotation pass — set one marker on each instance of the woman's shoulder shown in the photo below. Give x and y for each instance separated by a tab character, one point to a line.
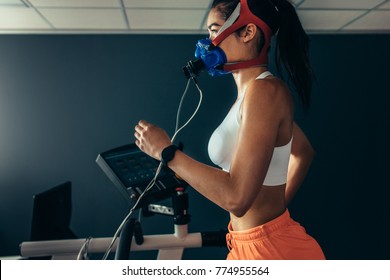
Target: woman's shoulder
270	90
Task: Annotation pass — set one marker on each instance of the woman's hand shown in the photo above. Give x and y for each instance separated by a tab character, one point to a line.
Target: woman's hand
151	139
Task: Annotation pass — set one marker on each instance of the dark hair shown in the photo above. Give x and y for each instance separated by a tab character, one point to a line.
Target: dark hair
292	42
225	7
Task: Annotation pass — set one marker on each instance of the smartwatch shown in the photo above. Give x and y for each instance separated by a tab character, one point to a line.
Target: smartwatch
168	154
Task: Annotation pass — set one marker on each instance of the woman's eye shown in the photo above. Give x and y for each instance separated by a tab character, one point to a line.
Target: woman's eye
213	33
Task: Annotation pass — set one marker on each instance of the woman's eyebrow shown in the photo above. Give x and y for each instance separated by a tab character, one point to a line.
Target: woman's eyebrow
213	24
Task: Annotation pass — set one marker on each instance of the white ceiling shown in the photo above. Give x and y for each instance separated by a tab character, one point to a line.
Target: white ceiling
176	16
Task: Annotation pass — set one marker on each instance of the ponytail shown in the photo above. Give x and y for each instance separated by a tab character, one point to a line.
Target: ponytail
292	51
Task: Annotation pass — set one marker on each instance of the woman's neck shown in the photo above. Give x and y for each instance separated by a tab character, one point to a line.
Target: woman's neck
243	77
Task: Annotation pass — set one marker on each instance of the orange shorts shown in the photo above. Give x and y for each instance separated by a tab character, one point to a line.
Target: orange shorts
279	239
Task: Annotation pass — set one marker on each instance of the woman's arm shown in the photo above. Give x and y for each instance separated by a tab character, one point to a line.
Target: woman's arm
302	154
235	190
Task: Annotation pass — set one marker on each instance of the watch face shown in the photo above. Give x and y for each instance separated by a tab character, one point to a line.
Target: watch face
168	153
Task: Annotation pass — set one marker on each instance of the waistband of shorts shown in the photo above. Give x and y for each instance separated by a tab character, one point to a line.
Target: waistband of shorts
261	230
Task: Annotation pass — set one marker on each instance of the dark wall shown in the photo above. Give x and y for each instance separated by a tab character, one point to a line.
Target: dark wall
64	99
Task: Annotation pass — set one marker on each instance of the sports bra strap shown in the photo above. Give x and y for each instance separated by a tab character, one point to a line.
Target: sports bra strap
264	75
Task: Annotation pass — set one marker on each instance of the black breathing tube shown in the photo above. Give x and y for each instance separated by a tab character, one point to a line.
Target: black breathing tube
194	68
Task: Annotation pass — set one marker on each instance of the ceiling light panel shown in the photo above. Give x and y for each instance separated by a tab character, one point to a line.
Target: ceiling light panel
168	4
76	3
155	19
340	4
99	19
326	20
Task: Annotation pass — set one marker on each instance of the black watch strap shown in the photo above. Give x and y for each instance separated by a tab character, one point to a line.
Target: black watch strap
168	154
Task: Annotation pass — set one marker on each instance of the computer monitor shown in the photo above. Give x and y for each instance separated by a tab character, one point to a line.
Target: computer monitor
52	211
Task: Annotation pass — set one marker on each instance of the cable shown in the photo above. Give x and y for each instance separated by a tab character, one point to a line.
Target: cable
84	249
152	182
180	105
193	114
149	186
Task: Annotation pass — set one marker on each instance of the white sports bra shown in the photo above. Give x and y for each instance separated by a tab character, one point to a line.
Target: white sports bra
224	140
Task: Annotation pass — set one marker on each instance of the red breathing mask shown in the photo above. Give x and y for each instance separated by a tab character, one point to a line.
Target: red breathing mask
240	17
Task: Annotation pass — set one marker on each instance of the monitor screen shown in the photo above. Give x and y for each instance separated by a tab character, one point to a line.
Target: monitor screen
52	211
131	171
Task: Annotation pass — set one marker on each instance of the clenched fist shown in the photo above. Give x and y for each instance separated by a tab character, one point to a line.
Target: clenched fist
151	139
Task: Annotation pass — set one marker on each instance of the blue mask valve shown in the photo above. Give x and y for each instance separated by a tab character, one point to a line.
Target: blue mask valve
209	58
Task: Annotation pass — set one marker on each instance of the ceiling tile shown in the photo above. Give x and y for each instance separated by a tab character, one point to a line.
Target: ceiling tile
375	20
168	4
85	18
296	2
20	18
340	4
165	19
12	3
76	3
385	6
170	16
326	20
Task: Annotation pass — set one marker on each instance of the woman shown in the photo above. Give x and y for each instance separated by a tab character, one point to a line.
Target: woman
263	154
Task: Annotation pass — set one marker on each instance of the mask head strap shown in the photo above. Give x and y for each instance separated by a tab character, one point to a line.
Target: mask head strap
240	17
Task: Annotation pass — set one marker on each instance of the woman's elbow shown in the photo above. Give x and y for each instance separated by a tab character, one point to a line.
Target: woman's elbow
310	153
238	207
304	150
238	212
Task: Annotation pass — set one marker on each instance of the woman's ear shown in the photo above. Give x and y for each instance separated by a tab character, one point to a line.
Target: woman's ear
249	32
